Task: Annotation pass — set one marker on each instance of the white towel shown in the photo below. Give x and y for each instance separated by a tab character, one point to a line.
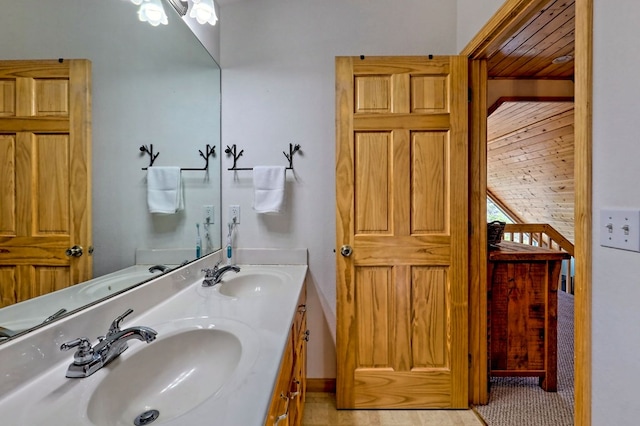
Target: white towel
268	186
164	190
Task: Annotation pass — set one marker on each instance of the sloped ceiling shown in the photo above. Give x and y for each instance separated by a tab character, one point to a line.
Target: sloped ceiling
530	142
530	162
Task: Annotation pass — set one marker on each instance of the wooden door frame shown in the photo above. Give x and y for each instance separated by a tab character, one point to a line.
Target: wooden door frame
502	24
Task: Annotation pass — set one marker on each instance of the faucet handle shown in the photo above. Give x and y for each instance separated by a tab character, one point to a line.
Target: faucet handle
84	353
208	272
215	267
115	325
81	342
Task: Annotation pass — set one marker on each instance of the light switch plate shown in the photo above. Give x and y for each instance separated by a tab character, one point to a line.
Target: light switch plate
620	228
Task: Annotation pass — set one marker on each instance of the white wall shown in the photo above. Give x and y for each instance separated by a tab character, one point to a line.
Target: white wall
471	17
616	273
277	59
149	86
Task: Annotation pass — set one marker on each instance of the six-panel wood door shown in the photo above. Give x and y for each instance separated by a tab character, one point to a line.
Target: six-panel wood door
45	176
401	195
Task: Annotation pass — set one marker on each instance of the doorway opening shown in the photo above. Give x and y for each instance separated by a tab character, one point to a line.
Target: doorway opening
504	29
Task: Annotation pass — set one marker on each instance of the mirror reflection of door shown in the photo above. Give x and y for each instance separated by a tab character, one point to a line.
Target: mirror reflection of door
45	176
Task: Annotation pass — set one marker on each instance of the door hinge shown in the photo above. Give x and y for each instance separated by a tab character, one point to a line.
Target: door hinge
470	94
470	227
470	360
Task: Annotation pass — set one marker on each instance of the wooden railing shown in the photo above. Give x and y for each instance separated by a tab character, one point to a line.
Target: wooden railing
537	234
542	235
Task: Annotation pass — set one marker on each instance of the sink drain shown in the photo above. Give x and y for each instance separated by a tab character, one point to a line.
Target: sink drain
147	417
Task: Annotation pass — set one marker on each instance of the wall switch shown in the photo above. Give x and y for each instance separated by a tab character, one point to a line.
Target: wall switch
207	214
620	228
234	212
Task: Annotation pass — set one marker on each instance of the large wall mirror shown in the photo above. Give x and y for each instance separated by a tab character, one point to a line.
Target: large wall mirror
150	86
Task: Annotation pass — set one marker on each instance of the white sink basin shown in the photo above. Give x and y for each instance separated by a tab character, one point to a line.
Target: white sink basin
102	287
252	284
173	375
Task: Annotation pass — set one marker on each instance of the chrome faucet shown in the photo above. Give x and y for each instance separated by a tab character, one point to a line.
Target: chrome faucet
57	314
214	276
161	268
89	359
5	333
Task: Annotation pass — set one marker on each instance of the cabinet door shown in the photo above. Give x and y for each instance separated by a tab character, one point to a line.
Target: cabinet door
299	378
280	399
287	401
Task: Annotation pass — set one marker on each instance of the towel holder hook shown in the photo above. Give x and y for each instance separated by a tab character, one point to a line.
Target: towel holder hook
233	151
210	151
149	150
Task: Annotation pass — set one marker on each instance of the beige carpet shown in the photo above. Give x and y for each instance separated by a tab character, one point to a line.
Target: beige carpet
519	401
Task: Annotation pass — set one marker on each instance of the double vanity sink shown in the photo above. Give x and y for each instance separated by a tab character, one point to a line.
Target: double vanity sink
213	361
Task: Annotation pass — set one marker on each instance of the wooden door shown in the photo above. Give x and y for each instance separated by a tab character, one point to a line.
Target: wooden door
401	195
45	176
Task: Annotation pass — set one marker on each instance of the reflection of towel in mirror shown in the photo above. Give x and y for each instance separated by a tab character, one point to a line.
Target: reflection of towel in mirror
268	186
164	190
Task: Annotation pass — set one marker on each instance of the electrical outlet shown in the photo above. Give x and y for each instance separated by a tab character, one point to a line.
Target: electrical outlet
207	214
234	212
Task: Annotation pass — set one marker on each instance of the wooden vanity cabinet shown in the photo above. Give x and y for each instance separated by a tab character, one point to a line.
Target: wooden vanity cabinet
287	400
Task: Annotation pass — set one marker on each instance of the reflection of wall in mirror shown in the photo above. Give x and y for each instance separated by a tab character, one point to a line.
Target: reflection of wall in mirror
150	85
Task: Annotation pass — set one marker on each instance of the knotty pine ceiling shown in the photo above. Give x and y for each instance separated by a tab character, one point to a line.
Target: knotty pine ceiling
530	162
531	142
540	39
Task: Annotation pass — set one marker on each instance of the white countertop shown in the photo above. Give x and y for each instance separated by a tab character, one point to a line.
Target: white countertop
34	390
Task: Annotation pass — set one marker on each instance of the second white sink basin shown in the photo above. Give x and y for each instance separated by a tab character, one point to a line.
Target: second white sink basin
252	284
104	286
172	375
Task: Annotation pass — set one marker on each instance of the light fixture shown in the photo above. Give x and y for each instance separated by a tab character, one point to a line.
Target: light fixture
151	11
180	6
204	12
562	59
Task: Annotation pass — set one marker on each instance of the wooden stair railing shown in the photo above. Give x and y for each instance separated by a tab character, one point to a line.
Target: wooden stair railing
542	235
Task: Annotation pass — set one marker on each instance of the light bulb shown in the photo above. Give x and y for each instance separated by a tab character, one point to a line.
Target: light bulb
204	12
151	11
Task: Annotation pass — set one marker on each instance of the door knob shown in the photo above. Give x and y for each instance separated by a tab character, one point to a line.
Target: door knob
346	251
75	251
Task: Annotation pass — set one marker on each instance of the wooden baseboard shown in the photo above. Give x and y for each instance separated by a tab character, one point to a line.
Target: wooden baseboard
321	385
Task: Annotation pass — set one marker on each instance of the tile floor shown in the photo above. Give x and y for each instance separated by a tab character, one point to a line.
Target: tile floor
320	410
